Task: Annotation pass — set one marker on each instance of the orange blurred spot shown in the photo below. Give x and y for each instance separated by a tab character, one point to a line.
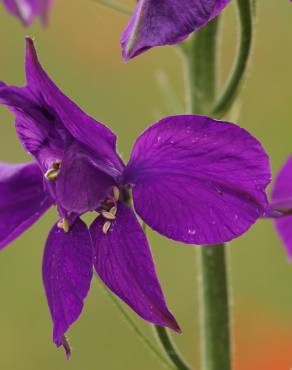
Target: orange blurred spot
263	344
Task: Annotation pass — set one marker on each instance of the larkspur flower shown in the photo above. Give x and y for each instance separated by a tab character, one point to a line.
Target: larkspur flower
191	178
166	22
282	203
28	10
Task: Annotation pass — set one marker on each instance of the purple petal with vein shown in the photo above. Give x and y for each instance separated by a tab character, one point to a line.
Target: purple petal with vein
197	180
67	274
83	128
166	22
22	199
282	200
124	263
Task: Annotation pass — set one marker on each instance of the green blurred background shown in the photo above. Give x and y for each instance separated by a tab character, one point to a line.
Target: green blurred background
80	50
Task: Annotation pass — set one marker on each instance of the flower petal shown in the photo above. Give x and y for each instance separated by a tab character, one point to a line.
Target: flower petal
38	127
83	128
282	188
124	263
197	180
284	229
67	274
81	185
166	22
22	199
282	201
27	10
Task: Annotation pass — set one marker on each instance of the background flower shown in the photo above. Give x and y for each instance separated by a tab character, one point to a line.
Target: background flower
28	10
166	22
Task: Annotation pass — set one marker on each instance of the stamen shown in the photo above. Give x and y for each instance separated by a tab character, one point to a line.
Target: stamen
108	215
106	227
116	192
57	165
64	224
98	214
52	174
113	210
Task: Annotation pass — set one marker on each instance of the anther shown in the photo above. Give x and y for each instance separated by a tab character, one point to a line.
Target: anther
108	215
106	227
116	192
113	210
64	224
57	165
52	174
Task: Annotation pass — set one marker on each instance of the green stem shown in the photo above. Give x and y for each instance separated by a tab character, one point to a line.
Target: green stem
215	325
202	86
214	318
113	5
246	9
166	342
170	349
139	332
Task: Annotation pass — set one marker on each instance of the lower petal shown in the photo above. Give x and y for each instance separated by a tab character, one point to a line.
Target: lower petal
67	274
22	199
124	263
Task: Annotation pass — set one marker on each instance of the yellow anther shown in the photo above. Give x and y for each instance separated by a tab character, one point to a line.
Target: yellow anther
106	227
108	215
57	165
113	210
52	174
64	224
116	192
97	214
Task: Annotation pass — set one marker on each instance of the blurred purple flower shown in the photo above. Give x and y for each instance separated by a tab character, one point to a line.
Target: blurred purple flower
193	179
28	10
166	22
282	202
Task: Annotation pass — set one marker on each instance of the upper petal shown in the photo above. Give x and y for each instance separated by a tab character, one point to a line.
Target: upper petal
22	199
166	22
83	128
67	274
198	180
124	263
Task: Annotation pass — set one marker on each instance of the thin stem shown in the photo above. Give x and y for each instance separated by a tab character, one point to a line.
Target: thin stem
113	5
139	332
170	349
166	342
246	9
214	304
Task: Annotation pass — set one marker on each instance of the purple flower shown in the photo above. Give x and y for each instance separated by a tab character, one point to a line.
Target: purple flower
282	202
28	10
192	179
166	22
